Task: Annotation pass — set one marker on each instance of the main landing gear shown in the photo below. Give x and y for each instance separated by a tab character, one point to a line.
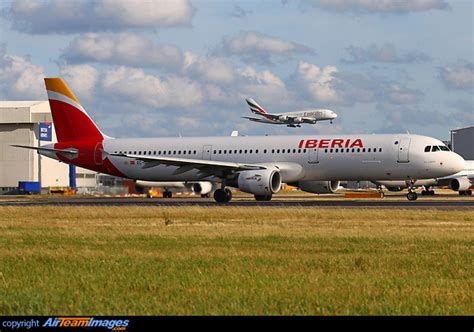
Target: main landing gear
223	195
167	194
263	197
427	192
465	192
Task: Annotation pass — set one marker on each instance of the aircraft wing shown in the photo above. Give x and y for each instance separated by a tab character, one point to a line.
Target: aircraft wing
270	116
264	120
206	167
252	119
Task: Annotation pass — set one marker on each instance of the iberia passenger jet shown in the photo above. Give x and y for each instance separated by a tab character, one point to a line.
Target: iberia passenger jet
256	165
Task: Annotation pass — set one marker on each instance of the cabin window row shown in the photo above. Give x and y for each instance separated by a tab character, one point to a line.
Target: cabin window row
353	150
251	151
159	153
256	151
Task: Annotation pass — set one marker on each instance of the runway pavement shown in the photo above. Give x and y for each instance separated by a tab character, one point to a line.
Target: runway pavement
445	203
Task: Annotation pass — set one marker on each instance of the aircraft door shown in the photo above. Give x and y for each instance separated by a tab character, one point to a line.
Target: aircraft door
99	154
206	152
403	150
313	156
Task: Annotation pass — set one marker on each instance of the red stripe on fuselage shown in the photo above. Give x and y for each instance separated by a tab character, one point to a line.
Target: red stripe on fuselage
89	157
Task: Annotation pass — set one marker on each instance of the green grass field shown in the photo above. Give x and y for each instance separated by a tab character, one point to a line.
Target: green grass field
235	261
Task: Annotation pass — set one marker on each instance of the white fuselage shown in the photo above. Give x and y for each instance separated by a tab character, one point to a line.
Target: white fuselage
309	116
298	158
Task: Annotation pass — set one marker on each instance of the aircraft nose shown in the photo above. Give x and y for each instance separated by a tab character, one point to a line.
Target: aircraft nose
457	162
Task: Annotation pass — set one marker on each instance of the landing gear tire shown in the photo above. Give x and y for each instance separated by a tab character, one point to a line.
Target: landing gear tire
167	194
428	193
263	197
223	195
465	192
412	196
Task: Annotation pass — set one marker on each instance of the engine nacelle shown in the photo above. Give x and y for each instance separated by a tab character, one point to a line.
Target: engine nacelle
297	120
319	187
460	184
202	187
260	182
283	117
399	188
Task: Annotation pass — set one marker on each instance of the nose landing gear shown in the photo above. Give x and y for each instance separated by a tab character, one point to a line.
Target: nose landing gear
412	195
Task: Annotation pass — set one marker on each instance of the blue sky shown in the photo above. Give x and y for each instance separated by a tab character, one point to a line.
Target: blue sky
168	68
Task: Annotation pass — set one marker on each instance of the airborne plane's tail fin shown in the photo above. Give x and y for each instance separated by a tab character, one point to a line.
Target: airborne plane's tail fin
254	107
71	121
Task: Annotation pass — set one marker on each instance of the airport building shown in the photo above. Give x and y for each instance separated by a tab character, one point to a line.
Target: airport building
30	123
462	142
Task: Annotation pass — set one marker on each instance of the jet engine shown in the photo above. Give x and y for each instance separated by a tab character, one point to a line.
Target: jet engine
260	182
460	184
394	188
202	187
319	187
297	120
283	118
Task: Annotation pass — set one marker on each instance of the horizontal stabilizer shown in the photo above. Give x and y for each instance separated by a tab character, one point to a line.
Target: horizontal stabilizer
68	153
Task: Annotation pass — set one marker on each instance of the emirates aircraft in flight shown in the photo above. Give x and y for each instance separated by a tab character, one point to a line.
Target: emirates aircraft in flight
290	119
256	165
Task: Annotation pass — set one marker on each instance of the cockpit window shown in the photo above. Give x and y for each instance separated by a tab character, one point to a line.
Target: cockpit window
434	148
443	148
428	148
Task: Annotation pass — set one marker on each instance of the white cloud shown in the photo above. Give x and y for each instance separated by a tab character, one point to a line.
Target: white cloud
329	87
150	90
458	76
239	12
256	47
318	81
124	48
263	85
210	69
379	6
58	16
187	122
20	78
139	124
81	79
401	95
386	53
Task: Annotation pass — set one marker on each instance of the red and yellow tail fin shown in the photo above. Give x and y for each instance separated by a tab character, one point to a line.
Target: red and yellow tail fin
71	121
